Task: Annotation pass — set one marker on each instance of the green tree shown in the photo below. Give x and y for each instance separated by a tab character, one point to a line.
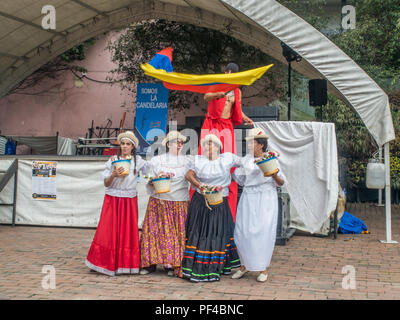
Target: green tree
374	45
375	42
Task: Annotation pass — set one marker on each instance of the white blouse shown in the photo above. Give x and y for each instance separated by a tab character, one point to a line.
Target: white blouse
215	172
125	187
252	178
170	163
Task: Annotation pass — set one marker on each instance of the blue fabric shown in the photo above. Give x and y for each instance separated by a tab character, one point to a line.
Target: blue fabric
161	62
351	224
11	147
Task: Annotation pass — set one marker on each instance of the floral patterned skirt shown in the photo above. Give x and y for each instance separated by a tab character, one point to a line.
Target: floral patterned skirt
162	240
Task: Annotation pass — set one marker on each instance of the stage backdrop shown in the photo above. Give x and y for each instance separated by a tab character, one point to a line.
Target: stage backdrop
151	113
308	157
79	192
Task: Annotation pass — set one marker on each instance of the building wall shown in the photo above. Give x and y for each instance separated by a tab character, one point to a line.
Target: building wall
68	107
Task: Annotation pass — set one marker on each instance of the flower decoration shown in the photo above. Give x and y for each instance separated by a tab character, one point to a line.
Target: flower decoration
267	156
206	188
161	175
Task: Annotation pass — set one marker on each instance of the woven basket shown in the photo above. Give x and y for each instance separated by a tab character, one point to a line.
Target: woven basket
268	166
125	163
214	197
162	185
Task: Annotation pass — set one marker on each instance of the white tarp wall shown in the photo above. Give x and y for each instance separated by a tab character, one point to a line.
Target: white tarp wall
80	194
308	158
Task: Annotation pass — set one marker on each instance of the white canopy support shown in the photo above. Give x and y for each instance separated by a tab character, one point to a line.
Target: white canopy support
387	197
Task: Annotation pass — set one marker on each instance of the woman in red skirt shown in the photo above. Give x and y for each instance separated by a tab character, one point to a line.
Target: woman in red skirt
115	246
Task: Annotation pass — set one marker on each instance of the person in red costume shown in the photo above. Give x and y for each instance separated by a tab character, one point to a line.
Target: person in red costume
224	111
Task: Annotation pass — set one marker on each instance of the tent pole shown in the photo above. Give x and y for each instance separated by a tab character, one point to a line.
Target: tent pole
387	196
380	190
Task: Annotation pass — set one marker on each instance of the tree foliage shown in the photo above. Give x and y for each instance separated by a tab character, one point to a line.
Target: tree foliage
375	42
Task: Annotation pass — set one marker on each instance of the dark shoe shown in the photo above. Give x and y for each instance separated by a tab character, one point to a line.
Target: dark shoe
169	271
148	270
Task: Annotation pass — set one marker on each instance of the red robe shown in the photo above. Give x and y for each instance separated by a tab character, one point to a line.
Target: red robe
223	128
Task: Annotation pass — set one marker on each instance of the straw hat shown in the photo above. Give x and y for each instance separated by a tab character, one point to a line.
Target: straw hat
173	135
211	137
130	136
256	133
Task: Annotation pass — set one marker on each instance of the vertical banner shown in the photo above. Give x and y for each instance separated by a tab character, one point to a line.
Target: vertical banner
44	180
151	113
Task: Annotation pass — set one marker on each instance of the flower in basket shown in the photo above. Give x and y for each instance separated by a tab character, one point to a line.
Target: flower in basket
161	175
268	155
206	188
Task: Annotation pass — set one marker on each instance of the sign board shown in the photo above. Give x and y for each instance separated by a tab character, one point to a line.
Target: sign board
151	113
44	180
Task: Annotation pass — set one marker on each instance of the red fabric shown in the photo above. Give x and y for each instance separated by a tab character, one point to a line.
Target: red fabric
223	129
116	241
167	52
216	106
221	87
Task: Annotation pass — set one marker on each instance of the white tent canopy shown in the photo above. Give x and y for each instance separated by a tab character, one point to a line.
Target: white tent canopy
25	45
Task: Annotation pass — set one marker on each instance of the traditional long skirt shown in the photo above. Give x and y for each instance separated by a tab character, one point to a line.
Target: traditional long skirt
210	249
115	246
162	240
255	228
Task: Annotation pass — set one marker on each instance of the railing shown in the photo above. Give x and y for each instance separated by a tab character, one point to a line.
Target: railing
11	171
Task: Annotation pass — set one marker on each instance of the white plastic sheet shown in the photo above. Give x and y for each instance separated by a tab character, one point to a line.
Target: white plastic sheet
80	194
308	157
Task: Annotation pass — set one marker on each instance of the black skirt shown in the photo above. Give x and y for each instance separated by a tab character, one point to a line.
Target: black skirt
210	249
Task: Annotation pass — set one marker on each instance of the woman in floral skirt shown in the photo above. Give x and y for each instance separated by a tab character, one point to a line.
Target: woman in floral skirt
162	240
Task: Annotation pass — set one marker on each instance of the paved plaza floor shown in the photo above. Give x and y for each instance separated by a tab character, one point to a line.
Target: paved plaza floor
307	267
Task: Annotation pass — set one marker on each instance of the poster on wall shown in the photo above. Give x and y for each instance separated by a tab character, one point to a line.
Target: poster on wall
151	114
44	180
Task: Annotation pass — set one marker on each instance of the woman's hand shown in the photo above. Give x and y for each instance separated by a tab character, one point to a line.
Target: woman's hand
117	172
248	121
191	177
213	95
114	174
279	181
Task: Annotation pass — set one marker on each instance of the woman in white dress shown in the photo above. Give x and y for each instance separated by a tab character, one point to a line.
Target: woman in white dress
210	248
163	232
257	213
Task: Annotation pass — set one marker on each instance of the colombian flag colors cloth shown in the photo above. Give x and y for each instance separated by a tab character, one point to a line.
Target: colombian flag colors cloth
160	67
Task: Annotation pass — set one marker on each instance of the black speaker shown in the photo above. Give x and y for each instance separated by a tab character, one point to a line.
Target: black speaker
317	92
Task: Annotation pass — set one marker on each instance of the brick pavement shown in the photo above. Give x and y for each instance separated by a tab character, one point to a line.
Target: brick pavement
306	267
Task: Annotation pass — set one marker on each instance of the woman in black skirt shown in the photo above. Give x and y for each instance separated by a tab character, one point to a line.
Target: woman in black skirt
210	249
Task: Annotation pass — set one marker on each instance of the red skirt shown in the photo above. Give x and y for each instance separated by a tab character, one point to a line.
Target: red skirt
115	246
